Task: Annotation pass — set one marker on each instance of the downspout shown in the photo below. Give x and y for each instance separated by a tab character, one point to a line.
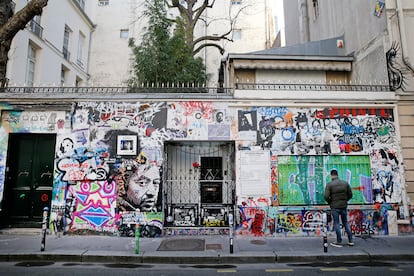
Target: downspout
267	27
304	21
88	62
407	62
403	35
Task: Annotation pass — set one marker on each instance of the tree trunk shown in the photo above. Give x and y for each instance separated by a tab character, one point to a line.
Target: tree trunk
11	24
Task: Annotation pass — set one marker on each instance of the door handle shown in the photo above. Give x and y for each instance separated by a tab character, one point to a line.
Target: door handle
25	173
49	174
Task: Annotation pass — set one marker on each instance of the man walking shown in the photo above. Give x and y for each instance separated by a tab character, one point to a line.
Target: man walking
337	194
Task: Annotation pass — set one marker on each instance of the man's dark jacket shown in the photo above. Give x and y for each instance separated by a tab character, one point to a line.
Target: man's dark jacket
337	193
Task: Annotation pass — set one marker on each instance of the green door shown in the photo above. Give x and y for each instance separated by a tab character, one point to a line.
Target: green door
29	177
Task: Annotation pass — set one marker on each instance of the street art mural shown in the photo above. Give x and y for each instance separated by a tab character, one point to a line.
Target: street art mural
109	161
302	179
90	205
285	221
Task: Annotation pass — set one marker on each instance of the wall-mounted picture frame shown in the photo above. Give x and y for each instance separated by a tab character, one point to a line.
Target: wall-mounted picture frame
127	145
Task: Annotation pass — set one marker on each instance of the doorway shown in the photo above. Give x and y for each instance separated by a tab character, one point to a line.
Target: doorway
29	178
199	184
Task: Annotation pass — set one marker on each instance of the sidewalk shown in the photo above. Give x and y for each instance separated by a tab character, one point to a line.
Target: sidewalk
24	245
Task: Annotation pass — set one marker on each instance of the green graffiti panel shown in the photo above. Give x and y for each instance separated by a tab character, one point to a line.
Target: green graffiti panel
302	179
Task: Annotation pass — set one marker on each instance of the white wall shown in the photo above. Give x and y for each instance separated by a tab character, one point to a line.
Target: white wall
49	57
111	61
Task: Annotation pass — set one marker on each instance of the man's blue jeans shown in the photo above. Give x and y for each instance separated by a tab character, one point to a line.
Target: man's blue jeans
336	213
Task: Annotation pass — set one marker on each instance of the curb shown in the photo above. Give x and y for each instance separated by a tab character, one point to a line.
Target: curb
142	258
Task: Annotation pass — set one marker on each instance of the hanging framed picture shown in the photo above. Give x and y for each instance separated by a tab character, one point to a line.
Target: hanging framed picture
127	145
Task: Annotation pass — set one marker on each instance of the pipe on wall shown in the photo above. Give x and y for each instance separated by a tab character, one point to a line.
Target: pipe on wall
403	35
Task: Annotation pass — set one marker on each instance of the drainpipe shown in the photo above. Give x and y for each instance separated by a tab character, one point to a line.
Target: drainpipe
403	35
268	43
407	62
304	21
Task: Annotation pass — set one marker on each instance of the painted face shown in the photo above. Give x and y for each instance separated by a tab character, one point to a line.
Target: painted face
143	188
219	117
66	146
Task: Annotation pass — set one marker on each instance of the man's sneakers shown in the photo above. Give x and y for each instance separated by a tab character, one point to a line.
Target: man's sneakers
339	244
336	244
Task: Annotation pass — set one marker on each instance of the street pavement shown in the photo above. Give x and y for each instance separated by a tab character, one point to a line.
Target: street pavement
25	245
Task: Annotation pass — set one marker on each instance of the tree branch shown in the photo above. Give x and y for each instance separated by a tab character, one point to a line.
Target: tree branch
213	38
18	21
221	49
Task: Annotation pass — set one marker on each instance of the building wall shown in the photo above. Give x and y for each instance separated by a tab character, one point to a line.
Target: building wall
283	158
400	18
49	56
112	65
111	58
330	19
370	33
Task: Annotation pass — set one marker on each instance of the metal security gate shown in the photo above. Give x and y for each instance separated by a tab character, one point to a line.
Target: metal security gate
199	186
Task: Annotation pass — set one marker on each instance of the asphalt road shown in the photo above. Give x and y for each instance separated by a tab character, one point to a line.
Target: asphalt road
305	269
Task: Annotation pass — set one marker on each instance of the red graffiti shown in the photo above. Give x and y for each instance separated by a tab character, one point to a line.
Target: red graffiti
346	112
257	224
205	108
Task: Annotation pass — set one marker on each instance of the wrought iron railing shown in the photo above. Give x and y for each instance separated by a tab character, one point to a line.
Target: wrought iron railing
119	90
314	87
36	28
197	89
66	53
187	190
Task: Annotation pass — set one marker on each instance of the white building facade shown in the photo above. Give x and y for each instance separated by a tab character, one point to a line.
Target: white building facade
117	21
54	48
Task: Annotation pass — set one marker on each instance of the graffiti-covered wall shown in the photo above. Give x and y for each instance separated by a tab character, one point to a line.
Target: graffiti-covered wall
110	156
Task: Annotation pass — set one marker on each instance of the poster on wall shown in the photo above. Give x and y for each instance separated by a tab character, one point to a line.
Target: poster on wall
127	145
254	171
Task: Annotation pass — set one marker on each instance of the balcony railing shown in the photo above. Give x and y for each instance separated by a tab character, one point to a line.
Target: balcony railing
120	90
36	28
79	62
199	89
81	3
313	87
66	53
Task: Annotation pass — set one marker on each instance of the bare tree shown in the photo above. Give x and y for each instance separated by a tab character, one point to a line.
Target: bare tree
191	13
11	24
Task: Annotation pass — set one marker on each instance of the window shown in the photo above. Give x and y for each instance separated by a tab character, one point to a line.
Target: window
315	5
81	43
124	33
103	2
66	39
63	76
78	81
35	27
81	3
237	34
31	65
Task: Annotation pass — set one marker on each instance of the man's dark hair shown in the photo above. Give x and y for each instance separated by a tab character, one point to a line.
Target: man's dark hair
334	172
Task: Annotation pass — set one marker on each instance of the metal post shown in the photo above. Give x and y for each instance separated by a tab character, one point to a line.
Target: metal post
137	234
44	228
325	231
231	232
